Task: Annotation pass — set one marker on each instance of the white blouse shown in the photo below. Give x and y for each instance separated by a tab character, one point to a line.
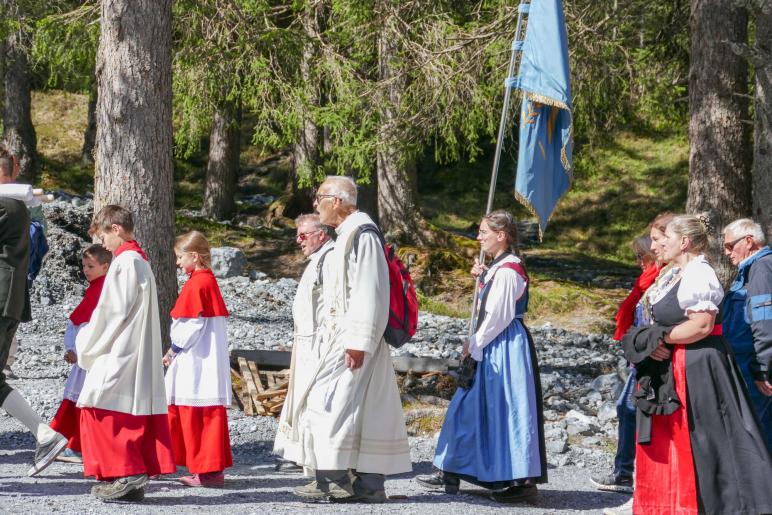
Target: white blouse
699	289
500	308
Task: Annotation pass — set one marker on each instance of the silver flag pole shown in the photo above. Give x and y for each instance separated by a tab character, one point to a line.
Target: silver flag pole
513	62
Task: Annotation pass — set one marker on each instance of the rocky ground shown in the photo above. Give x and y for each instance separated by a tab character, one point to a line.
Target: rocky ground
581	376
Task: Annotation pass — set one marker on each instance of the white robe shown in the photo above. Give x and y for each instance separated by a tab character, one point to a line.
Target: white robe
200	374
306	313
353	419
77	375
121	345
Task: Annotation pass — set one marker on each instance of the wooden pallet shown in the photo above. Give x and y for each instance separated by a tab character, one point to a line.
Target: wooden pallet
259	392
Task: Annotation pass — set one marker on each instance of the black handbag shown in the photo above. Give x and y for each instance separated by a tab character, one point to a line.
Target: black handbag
466	372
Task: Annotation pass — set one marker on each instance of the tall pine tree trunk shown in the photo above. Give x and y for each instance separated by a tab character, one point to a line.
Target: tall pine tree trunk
762	148
719	157
223	167
18	132
396	169
89	135
134	130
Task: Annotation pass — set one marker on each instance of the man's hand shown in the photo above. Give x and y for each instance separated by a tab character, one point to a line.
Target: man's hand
660	353
70	357
764	387
354	358
168	358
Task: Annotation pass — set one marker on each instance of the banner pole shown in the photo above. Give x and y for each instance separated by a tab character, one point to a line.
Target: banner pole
513	61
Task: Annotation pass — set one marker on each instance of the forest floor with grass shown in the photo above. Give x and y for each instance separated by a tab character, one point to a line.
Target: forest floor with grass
580	271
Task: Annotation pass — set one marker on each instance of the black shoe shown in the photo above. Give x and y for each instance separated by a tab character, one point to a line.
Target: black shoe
288	467
46	454
439	481
515	494
613	483
120	488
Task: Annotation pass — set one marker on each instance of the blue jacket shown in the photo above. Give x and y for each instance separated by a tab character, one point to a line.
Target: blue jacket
747	313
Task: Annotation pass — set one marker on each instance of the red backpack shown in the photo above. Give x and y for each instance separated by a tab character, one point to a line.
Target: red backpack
403	301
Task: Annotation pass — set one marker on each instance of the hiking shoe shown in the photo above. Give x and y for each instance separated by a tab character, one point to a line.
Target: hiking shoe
613	483
207	480
45	454
625	509
9	374
516	493
119	488
370	497
439	481
70	456
316	491
134	496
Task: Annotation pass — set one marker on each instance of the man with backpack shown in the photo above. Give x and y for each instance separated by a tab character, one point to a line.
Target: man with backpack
352	425
316	244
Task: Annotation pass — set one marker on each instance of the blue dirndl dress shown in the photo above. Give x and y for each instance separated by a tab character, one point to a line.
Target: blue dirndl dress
493	433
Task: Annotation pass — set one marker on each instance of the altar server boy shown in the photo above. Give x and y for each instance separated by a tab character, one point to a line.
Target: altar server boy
198	381
124	426
96	260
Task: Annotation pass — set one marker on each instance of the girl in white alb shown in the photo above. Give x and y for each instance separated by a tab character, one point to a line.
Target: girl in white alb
198	383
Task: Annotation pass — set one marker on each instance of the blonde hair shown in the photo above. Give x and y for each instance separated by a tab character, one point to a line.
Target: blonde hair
195	241
694	227
661	220
501	220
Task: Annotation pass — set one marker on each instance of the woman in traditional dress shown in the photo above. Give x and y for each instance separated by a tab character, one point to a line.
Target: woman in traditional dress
708	455
493	434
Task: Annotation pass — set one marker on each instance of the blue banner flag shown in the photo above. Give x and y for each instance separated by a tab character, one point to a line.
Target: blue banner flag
544	157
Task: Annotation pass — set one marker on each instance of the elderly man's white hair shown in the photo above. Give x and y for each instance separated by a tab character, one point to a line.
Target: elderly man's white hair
344	188
309	218
746	227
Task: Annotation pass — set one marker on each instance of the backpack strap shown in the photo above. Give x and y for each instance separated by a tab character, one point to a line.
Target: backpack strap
366	228
319	278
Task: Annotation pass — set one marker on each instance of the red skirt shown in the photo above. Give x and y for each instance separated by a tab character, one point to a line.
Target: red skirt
200	438
67	422
665	480
117	444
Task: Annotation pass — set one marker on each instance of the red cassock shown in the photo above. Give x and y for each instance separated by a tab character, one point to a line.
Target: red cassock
117	444
67	418
200	437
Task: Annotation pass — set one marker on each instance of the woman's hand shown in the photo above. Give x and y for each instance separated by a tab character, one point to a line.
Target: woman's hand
168	358
660	353
465	349
70	357
478	269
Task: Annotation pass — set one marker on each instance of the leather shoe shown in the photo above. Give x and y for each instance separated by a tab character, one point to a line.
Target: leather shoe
440	481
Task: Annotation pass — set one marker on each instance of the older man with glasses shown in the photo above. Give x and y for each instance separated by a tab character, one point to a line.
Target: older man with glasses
315	243
747	313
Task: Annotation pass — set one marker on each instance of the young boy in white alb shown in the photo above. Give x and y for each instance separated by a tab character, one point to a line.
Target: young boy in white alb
124	424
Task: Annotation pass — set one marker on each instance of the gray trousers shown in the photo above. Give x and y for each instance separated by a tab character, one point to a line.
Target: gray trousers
7	331
364	483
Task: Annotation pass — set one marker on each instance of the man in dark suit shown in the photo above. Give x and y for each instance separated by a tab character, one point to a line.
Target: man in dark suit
14	308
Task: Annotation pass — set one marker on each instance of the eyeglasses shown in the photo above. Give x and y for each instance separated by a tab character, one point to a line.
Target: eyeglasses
730	246
303	236
320	196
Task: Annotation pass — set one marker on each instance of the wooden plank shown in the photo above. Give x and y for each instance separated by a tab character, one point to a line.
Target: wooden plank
251	388
277	408
268	394
256	376
275	359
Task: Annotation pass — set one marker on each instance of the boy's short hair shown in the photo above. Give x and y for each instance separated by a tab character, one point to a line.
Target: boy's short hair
98	252
112	215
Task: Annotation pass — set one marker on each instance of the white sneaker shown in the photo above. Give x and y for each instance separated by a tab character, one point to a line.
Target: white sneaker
625	509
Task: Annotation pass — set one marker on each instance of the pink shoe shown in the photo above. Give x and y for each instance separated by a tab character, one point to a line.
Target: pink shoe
208	480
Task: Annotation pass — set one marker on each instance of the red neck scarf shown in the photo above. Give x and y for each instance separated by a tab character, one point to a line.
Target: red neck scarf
130	245
200	297
82	313
626	314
